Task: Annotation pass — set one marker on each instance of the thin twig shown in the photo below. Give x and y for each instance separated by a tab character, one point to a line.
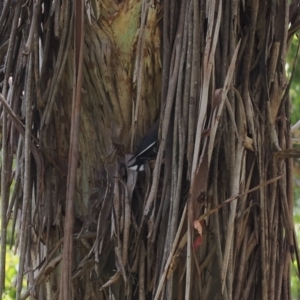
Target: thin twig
5	167
73	152
27	177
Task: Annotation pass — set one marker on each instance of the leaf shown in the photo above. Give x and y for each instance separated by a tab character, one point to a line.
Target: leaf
112	280
197	242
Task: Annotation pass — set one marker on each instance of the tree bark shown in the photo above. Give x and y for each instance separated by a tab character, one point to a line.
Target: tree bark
212	216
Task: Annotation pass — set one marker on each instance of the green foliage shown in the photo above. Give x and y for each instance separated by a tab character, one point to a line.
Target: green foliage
295	85
295	287
295	116
11	270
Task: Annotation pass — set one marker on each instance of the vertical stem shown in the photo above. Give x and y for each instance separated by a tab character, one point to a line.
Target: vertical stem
4	175
27	185
4	201
73	152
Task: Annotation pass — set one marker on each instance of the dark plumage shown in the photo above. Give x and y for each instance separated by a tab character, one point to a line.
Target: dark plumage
145	149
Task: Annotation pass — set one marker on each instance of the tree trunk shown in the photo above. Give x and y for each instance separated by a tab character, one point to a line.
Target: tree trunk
211	216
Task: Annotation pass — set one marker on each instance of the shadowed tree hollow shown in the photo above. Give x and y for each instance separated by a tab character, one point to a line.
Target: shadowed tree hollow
211	216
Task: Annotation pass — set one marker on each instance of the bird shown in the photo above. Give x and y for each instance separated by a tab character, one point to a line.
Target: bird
146	149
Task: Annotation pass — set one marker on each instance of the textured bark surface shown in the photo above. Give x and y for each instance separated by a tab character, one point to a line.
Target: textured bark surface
211	217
